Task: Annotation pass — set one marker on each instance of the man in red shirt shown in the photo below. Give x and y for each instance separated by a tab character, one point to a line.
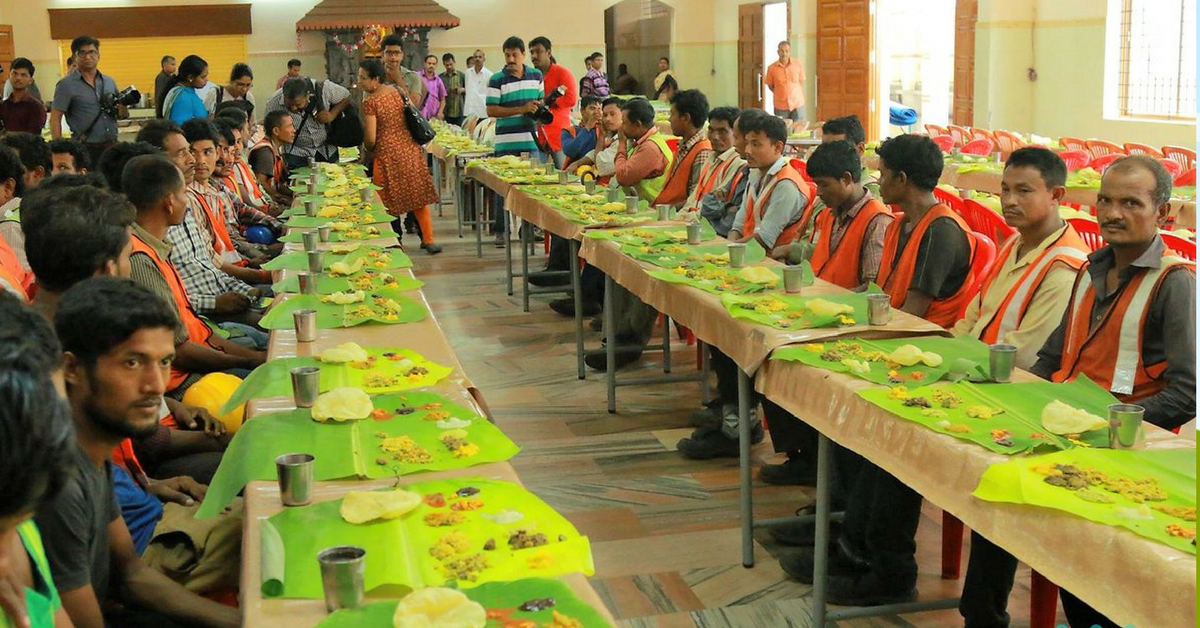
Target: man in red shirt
554	76
21	112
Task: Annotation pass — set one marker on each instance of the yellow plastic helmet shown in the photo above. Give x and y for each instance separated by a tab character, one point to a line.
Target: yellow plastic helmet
211	392
585	172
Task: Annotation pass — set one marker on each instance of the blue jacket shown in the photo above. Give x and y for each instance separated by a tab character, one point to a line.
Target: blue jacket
583	141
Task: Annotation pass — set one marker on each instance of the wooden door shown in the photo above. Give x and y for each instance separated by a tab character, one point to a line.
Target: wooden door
965	14
845	69
750	55
8	50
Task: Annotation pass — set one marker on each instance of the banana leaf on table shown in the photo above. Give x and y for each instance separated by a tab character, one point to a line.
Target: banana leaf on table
362	280
786	311
332	315
962	354
376	257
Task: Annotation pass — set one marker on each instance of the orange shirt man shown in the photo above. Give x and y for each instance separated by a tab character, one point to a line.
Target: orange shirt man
785	78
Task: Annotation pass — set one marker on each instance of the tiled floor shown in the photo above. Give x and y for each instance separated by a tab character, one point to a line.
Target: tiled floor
664	529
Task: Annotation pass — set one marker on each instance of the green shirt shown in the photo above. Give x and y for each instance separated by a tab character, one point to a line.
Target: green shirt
454	102
42	600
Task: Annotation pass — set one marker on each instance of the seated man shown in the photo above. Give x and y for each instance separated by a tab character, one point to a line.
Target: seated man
1134	278
117	341
68	157
14	277
689	112
112	161
722	185
776	200
157	190
242	184
578	140
266	158
35	160
36	459
238	214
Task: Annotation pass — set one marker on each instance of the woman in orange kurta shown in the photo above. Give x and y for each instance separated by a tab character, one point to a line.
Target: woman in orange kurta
400	167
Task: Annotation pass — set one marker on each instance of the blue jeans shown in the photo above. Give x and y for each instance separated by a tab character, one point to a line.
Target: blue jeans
249	337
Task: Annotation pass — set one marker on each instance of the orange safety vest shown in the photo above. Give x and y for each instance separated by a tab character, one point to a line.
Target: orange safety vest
124	456
277	167
11	272
895	279
247	185
1111	353
842	266
787	172
710	174
218	230
198	331
1068	249
675	191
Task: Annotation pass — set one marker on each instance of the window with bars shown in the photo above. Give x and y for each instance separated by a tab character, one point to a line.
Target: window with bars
1157	77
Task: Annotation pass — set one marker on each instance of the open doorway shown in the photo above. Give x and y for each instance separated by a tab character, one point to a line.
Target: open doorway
637	33
916	64
775	30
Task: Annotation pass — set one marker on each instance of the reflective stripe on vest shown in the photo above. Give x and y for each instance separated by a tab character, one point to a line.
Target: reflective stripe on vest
649	189
757	207
216	227
842	265
277	166
675	190
1014	305
710	174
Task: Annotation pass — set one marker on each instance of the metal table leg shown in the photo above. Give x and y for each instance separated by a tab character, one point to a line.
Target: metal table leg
610	344
666	343
508	260
459	209
525	238
577	295
747	495
821	539
482	210
438	181
705	369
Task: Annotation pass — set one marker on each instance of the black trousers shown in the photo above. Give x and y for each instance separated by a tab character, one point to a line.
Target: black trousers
882	514
560	254
989	581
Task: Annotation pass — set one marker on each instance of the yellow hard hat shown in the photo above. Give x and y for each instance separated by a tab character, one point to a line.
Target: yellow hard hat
211	392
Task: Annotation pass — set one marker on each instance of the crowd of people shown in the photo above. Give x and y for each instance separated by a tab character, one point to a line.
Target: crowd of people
131	272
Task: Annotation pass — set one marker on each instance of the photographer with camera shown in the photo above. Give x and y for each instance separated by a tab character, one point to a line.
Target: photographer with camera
313	107
561	95
89	100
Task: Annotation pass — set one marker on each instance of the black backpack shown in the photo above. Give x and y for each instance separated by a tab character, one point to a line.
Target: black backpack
346	130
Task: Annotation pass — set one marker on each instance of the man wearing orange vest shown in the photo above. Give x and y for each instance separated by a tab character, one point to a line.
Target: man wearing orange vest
689	112
926	267
1130	324
155	187
722	183
776	201
13	277
266	157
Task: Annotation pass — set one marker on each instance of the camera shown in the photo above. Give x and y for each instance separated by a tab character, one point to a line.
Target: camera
127	97
543	114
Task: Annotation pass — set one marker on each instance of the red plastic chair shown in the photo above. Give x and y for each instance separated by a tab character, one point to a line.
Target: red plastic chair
1089	230
673	143
1008	141
1172	167
934	130
961	134
1100	148
1101	163
802	167
983	220
978	133
1076	159
1188	177
985	256
1185	156
944	142
1184	247
981	146
1072	143
1135	148
949	199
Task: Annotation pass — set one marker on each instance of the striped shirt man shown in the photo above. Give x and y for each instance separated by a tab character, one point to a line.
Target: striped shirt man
514	134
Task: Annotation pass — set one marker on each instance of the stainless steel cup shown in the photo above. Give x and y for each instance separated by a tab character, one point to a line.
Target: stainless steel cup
526	155
562	177
693	233
295	473
310	208
1125	426
614	195
737	254
312	162
312	185
589	186
631	204
311	238
308	282
364	194
879	309
306	385
664	212
306	325
316	261
314	176
342	571
793	279
323	233
1002	359
549	167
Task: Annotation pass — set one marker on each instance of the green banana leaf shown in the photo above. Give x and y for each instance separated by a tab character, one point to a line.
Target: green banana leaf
499	596
328	284
298	260
359	232
366	218
358	205
951	350
795	313
1022	481
651	235
1021	417
332	315
673	255
398	551
387	370
351	449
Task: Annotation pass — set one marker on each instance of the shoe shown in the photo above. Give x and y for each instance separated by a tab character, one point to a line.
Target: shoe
624	357
501	240
867	590
792	472
707	416
596	324
799	565
710	442
566	307
431	248
544	281
802	533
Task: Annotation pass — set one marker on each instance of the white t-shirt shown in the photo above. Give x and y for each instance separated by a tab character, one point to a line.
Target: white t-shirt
475	102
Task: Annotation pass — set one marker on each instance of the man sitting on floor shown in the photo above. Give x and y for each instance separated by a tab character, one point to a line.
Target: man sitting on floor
118	345
1133	279
776	200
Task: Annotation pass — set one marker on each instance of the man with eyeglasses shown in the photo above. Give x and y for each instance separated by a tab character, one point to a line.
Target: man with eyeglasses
477	85
79	96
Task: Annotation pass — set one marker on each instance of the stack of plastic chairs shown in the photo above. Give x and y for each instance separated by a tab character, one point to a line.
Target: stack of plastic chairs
981	146
961	134
1100	148
1072	143
1008	141
1076	159
1185	156
944	142
1134	148
934	130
